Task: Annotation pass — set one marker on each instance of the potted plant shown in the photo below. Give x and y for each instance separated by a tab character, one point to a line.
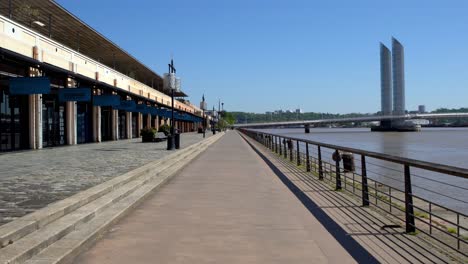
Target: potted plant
147	134
165	128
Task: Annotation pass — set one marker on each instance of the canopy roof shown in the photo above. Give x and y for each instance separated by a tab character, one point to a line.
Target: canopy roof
50	19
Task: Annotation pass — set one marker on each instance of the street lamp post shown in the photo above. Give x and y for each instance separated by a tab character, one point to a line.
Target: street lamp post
203	106
213	127
221	113
172	86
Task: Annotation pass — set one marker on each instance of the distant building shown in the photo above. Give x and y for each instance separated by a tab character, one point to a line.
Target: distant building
398	64
288	111
422	109
385	80
298	111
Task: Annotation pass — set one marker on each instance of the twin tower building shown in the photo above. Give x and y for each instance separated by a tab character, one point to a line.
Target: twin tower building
392	62
392	85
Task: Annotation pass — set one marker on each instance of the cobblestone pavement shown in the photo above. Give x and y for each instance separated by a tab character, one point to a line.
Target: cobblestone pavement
30	180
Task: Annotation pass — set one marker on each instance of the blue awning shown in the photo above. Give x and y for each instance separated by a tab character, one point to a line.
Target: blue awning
74	94
126	105
29	85
106	100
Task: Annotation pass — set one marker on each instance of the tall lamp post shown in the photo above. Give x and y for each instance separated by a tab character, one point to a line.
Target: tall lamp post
173	84
224	116
213	127
203	107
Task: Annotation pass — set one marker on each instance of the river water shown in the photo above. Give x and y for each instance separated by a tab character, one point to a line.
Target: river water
447	146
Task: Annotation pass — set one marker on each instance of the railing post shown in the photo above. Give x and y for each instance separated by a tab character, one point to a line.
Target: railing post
337	171
298	153
280	148
307	157
276	144
291	158
319	151
364	186
409	211
285	148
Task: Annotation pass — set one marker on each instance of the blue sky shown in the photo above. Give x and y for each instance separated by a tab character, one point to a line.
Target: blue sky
322	56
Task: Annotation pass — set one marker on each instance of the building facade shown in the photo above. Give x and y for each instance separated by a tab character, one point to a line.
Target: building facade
53	95
385	80
398	64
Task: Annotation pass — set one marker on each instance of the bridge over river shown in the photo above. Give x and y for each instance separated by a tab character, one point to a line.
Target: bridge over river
307	123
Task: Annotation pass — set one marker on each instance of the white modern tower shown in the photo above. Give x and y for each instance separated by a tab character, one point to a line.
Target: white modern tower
398	64
385	80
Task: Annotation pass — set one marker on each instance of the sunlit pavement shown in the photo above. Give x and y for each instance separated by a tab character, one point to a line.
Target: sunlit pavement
30	180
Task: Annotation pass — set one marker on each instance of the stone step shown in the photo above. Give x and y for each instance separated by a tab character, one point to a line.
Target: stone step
11	232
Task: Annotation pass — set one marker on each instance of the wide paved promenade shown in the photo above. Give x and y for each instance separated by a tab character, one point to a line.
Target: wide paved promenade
227	206
30	180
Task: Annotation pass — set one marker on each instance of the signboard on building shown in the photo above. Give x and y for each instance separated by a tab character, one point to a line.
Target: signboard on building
74	94
127	105
29	85
142	108
106	100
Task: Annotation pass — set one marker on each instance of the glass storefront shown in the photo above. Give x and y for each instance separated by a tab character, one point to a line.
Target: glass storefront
53	121
145	120
134	124
106	123
14	121
84	132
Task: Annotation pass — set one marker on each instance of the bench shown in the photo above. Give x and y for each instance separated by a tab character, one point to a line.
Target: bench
160	136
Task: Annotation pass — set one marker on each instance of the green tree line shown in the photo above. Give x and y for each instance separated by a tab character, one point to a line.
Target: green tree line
245	117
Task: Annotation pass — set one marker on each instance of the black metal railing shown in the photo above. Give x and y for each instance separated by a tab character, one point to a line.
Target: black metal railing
427	197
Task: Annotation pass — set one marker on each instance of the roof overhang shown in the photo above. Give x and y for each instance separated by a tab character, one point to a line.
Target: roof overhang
50	19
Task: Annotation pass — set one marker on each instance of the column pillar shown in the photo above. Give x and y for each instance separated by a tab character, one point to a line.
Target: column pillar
129	124
38	127
140	124
70	115
115	124
32	121
35	114
97	123
148	121
69	107
156	122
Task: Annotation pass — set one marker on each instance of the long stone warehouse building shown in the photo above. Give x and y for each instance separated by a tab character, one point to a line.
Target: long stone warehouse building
86	88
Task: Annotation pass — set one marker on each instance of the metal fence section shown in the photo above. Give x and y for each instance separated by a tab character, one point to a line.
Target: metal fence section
412	191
